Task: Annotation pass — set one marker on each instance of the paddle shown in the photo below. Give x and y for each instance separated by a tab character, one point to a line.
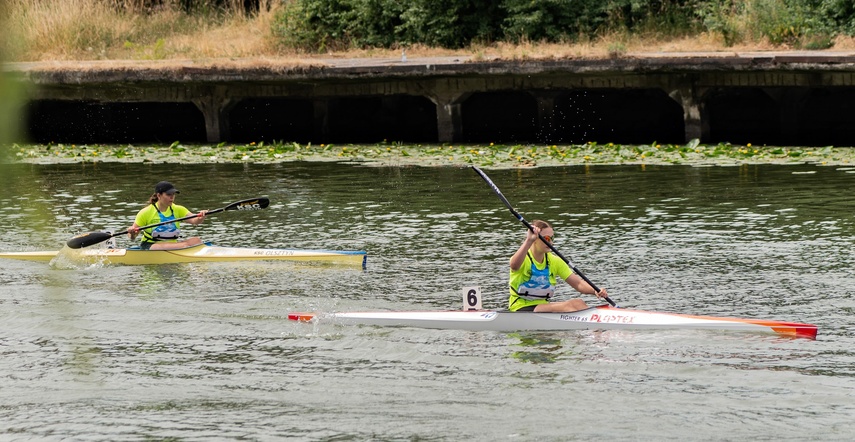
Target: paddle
88	239
528	226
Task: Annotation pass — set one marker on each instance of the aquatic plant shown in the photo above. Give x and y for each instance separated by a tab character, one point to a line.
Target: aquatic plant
489	155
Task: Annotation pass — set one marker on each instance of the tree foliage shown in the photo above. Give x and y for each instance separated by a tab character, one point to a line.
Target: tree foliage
320	25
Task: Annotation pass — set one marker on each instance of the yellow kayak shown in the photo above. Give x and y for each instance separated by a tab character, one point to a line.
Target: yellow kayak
199	253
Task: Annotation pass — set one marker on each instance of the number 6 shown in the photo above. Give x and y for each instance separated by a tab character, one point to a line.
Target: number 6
472	298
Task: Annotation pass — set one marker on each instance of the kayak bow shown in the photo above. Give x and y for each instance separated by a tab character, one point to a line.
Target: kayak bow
602	317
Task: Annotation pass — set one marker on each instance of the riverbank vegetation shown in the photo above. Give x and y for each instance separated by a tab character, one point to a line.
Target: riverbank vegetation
398	154
192	29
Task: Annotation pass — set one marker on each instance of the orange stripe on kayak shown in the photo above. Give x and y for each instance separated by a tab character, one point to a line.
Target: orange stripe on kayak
784	328
800	330
301	317
787	328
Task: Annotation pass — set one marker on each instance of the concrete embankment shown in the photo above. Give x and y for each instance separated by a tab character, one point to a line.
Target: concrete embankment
776	98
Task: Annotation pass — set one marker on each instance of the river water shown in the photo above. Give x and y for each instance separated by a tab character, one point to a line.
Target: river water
205	351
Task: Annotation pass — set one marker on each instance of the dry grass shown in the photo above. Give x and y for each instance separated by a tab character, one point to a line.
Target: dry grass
243	37
92	30
842	43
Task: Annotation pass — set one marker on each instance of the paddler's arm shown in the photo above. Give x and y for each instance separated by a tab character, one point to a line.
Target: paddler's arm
199	218
139	221
133	231
581	286
519	257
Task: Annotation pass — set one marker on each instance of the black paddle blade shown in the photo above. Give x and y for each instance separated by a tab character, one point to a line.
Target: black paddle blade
87	239
250	204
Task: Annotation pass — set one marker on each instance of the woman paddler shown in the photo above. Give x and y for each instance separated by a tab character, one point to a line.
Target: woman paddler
162	208
533	275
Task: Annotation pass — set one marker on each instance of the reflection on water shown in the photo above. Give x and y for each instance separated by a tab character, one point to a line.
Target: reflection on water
205	350
540	348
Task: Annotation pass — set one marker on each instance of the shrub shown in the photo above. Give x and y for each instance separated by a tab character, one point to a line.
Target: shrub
319	25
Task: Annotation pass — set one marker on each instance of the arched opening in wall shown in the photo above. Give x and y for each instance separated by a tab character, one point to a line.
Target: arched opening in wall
828	118
742	116
404	118
500	117
626	116
63	121
272	119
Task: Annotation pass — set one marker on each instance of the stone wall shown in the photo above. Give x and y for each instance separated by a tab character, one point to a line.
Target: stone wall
761	98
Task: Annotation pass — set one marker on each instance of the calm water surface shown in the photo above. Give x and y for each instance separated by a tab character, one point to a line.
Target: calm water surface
205	351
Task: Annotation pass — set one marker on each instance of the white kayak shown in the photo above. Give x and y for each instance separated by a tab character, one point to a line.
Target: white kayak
602	317
198	253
